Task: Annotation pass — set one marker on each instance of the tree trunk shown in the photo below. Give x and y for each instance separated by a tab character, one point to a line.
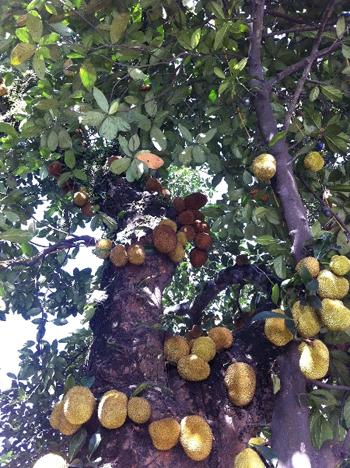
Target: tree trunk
127	351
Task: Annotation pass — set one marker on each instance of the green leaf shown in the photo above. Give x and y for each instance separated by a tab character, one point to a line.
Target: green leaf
76	443
109	128
314	93
23	34
346	51
52	140
279	265
217	10
94	443
69	159
340	27
114	107
17	235
185	133
220	36
195	38
80	174
21	53
7	128
275	293
134	142
39	66
346	413
203	138
219	73
120	165
158	138
93	119
137	74
151	105
64	139
34	25
118	27
87	74
198	154
101	99
276	138
332	93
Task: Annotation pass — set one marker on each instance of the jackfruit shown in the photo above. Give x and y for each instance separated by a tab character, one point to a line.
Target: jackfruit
198	216
248	458
175	348
179	204
103	248
136	254
170	223
181	238
112	409
240	380
119	256
196	437
340	265
306	320
314	161
79	404
203	241
59	422
335	315
139	410
186	217
264	167
276	330
204	347
178	254
164	239
311	264
153	185
314	359
193	368
88	210
332	286
165	433
195	201
189	232
257	441
51	460
198	257
80	198
222	337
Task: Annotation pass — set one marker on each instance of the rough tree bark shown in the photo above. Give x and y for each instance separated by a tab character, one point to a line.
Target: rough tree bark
127	352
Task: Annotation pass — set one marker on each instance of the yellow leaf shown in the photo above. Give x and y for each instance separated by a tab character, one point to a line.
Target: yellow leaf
118	26
21	53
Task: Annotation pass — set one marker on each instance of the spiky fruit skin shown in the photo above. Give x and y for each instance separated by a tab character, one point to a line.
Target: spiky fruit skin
59	422
257	441
248	458
170	223
314	161
200	226
198	215
51	460
335	315
153	185
55	169
139	410
204	347
189	232
195	201
113	409
276	330
165	433
175	348
311	264
79	404
178	254
186	217
331	286
179	204
264	167
340	265
314	359
196	437
222	337
80	199
136	254
165	193
198	257
240	380
87	210
181	238
203	241
119	256
193	368
164	239
306	320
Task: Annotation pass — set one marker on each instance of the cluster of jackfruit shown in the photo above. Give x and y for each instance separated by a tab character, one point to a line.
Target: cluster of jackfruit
192	357
264	167
240	381
78	406
118	254
171	240
314	161
193	433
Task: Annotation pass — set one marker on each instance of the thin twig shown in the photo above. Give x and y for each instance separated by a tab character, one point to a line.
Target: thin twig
339	388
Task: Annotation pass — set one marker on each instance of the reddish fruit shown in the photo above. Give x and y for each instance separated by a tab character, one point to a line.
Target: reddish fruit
265	198
198	257
198	215
68	186
203	241
153	185
189	231
55	169
186	217
179	204
195	201
87	210
199	226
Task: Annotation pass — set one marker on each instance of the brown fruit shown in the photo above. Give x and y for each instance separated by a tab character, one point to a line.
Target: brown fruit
118	256
189	231
195	201
80	198
153	185
111	159
203	241
186	217
55	169
3	90
87	210
136	254
179	204
198	257
199	226
68	186
165	193
164	239
198	215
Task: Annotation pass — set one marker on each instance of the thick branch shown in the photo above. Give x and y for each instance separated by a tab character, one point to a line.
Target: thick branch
289	18
308	65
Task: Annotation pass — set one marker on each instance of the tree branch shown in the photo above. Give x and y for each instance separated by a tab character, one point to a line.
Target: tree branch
289	18
61	245
309	62
338	388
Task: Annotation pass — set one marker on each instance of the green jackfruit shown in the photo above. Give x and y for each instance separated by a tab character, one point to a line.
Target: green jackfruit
331	286
139	410
335	315
204	347
112	409
165	433
311	264
248	458
59	422
314	161
276	330
340	265
222	337
264	167
175	348
314	359
79	404
240	380
196	437
306	320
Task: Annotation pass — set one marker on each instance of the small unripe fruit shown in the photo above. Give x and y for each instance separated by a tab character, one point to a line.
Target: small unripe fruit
203	241
87	210
198	257
80	198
